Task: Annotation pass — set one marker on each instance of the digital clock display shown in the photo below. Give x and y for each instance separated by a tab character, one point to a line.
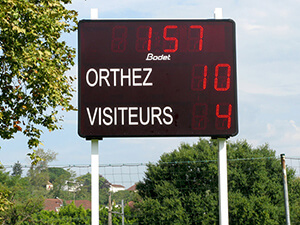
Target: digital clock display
157	78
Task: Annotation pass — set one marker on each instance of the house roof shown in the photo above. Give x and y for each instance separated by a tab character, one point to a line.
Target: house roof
132	188
86	204
52	204
131	204
117	186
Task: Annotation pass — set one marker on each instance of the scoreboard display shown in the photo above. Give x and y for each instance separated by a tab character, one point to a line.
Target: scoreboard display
141	78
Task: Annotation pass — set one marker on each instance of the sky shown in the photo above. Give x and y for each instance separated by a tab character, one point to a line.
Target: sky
268	46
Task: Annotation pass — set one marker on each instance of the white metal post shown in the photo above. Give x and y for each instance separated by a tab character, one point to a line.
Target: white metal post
222	164
95	164
285	190
123	215
95	181
218	13
223	183
94	13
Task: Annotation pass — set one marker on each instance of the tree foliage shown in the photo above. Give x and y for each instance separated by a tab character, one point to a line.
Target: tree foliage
33	60
16	200
129	218
17	169
5	202
38	175
56	174
182	188
45	157
125	195
68	215
22	198
18	212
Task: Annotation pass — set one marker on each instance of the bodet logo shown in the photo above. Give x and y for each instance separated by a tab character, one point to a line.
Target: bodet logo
162	57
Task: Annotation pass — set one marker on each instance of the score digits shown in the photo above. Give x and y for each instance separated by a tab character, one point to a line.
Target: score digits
167	39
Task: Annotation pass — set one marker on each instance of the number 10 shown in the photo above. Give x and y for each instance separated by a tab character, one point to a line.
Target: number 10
200	76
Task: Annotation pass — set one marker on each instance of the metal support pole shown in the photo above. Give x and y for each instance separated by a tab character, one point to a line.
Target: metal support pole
95	163
218	13
109	210
223	183
123	216
95	182
222	164
285	190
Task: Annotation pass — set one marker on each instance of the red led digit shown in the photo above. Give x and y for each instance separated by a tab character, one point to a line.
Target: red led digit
222	77
143	38
199	77
174	40
199	119
195	38
119	38
223	121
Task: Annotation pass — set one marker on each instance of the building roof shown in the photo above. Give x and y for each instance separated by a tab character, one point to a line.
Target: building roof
132	188
86	204
131	204
117	186
52	204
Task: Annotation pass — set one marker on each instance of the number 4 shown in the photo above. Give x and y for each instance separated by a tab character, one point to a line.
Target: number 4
223	121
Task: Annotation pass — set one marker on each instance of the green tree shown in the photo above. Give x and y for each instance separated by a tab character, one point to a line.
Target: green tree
46	157
60	178
85	190
16	184
125	195
18	212
55	174
18	198
129	215
103	190
5	202
183	186
16	203
17	169
68	215
33	61
38	174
